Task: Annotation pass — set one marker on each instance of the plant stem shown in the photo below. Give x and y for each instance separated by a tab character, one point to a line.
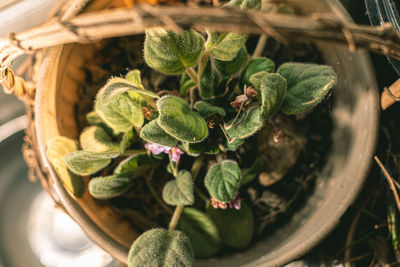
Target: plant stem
173	167
133	152
260	46
175	217
201	194
196	167
155	195
192	74
202	62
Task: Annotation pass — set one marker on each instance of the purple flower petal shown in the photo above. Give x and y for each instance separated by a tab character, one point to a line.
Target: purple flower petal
176	154
157	148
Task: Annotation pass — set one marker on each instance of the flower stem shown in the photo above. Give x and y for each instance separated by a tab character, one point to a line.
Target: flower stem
173	166
133	152
175	218
192	74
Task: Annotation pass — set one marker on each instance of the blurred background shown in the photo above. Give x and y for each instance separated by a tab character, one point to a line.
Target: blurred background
34	233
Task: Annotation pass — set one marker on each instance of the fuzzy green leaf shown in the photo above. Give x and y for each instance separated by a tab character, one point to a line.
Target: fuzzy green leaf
110	186
230	67
252	172
225	46
235	144
202	232
134	164
271	92
177	119
170	52
209	81
180	190
222	180
152	132
205	146
56	149
249	125
235	226
205	109
86	162
96	139
185	84
160	248
307	85
126	141
121	113
244	4
94	120
257	77
256	65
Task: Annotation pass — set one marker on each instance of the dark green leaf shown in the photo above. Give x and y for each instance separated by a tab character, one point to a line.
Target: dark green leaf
235	226
180	190
110	186
133	164
96	139
232	146
206	147
152	132
209	81
160	248
177	119
222	180
252	172
202	232
230	67
307	85
86	162
256	65
56	149
249	125
170	52
205	109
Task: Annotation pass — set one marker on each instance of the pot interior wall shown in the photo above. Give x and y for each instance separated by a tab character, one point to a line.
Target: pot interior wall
355	116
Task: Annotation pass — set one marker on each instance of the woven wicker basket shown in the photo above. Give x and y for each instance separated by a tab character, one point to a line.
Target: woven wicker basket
355	116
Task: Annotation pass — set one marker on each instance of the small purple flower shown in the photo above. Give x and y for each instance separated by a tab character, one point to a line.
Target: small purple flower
234	204
176	153
157	148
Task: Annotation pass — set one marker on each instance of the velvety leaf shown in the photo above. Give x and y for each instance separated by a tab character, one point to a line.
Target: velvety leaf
271	92
225	46
230	67
94	120
170	52
205	146
96	139
180	190
245	4
133	76
117	86
232	146
256	78
205	109
110	186
251	123
307	85
235	227
178	120
252	172
160	248
56	149
86	162
121	113
202	232
209	81
133	164
126	141
222	180
256	65
152	132
185	84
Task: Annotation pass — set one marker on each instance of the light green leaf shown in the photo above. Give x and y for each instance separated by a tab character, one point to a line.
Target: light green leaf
202	232
56	149
136	164
252	172
144	99
225	46
180	190
134	78
250	124
256	78
160	248
222	180
86	162
185	84
230	67
126	141
244	4
110	186
177	119
209	81
152	132
96	139
307	85
170	52
205	109
94	120
256	65
239	231
271	93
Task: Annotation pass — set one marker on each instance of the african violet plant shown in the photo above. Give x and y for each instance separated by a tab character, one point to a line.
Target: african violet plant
225	97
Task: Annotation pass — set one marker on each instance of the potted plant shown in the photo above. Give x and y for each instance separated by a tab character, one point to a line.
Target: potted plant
224	100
